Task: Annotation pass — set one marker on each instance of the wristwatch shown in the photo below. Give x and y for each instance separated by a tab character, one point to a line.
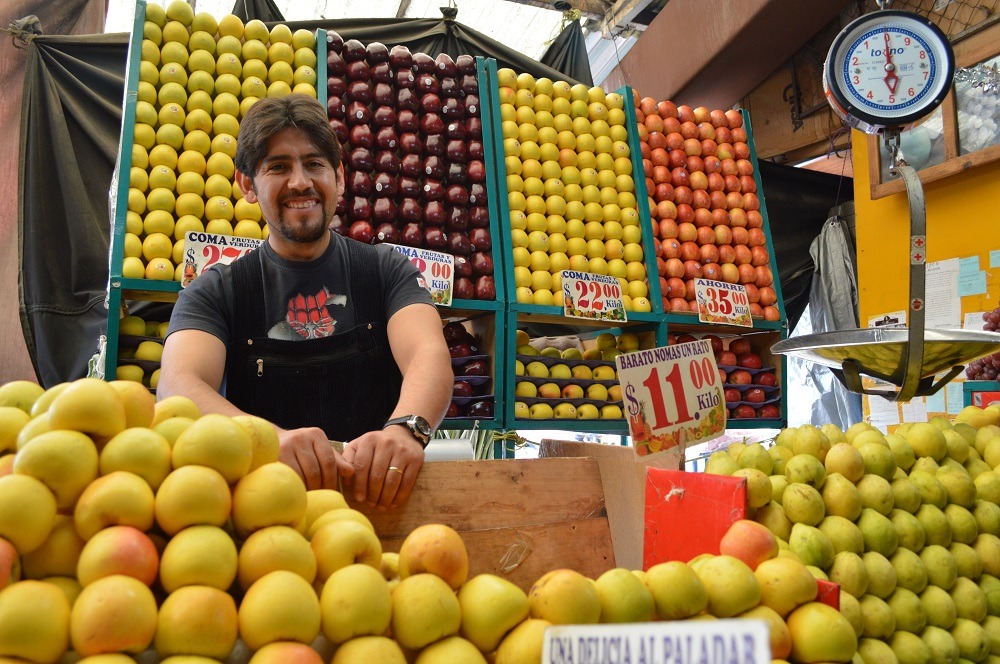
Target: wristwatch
417	425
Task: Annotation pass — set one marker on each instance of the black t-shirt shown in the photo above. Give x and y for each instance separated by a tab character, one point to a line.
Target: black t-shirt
307	299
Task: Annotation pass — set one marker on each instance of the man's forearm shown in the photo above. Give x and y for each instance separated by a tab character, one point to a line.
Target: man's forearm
201	393
427	386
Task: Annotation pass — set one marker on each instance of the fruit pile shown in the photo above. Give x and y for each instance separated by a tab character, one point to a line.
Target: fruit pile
472	394
751	390
128	527
570	190
703	203
907	523
570	384
140	346
197	78
986	368
413	154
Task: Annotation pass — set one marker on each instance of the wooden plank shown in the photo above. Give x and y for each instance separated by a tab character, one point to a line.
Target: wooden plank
521	555
480	495
940	171
623	475
773	132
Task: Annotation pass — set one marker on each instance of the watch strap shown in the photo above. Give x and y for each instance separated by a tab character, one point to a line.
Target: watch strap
407	421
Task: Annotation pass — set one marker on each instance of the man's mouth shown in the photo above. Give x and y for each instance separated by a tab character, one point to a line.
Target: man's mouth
301	205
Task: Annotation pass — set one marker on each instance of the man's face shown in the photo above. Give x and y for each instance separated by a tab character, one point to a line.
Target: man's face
296	187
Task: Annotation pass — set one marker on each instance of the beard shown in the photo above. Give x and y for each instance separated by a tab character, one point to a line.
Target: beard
303	228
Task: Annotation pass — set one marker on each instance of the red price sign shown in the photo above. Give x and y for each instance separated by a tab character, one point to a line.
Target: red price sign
203	250
593	296
437	272
673	396
721	302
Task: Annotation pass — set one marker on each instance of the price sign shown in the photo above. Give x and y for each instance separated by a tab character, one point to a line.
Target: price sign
720	302
673	396
203	250
437	272
593	296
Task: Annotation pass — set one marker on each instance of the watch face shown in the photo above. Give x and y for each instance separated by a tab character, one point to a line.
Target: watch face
421	425
889	68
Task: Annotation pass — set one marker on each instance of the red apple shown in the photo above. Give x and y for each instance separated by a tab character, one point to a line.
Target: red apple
732	395
726	357
767	379
739	377
362	231
768	411
743	411
749	360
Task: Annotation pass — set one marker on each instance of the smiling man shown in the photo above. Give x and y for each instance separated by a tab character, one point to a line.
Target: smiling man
327	338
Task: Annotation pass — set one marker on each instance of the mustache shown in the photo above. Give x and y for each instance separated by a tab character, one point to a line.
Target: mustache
311	193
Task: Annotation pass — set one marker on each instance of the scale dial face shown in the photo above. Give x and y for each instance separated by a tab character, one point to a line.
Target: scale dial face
888	69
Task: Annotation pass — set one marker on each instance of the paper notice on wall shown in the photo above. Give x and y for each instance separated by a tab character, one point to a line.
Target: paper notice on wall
935	403
915	410
891	319
954	393
944	307
973	321
883	412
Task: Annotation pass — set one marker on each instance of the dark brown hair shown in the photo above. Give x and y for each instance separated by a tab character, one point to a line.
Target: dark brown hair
269	116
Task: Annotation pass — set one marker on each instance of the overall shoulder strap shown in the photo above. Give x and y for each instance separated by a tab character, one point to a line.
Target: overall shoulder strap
366	283
248	295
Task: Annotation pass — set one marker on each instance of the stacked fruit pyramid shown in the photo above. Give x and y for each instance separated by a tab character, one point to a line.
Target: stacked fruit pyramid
413	154
907	523
703	203
570	191
197	78
128	527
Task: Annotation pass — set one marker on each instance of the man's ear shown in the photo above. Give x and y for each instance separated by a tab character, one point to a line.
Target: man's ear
246	186
340	180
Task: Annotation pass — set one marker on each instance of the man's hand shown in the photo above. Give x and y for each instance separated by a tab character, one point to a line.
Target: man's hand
309	453
386	464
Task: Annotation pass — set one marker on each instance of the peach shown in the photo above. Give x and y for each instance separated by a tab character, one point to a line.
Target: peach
113	614
437	549
749	541
199	621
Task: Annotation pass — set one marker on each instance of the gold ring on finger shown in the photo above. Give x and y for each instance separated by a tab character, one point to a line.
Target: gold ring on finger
398	470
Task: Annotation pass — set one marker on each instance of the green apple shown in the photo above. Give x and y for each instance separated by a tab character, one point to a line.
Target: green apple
491	607
526	350
582	372
541	411
525	389
572	354
537	370
606	340
587	411
355	601
604	372
610	354
550	352
624	597
521	411
548	391
424	609
572	391
560	371
565	411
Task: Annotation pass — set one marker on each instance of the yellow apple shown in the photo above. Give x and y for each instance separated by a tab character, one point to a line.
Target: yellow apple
274	548
88	405
565	597
198	621
218	442
548	391
344	543
491	607
436	549
34	622
10	564
280	606
451	649
121	499
271	495
541	411
199	556
263	439
355	601
192	495
138	450
20	394
424	610
281	652
587	411
27	512
624	597
347	514
113	614
118	550
64	461
366	649
523	643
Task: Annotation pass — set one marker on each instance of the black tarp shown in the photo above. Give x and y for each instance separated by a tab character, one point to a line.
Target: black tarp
568	54
71	119
264	10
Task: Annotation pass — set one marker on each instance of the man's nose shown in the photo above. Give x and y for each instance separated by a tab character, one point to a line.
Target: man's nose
298	178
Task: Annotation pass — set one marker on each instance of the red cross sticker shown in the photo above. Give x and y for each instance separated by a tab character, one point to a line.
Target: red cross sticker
918	241
917	257
917	304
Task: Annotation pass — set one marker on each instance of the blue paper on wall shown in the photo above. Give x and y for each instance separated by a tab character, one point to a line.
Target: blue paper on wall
972	284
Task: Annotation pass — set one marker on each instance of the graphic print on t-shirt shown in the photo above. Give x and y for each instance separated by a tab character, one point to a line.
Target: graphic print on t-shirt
308	317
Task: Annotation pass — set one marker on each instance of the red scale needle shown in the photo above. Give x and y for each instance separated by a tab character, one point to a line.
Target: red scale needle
891	80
